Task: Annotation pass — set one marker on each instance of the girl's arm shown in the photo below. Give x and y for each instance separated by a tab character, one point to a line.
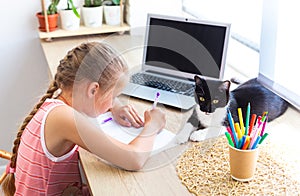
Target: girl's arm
65	127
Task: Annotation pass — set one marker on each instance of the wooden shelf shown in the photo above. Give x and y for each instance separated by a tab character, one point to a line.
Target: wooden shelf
85	31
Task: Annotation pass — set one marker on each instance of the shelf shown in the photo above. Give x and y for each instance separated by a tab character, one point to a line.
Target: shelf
84	31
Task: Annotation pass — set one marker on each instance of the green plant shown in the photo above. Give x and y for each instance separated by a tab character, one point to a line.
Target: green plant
116	2
111	2
52	8
71	6
92	3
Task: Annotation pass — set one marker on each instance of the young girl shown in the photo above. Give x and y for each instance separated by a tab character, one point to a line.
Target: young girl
45	153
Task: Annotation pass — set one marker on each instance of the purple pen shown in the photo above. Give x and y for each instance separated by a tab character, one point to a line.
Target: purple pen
156	100
107	120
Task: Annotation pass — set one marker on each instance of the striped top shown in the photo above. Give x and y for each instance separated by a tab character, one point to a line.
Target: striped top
38	172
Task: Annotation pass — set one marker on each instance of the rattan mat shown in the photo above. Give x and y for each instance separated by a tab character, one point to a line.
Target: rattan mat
204	170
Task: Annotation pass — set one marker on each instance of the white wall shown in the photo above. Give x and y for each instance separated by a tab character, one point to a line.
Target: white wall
23	68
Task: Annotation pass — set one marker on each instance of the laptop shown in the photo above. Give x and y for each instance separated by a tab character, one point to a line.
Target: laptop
176	49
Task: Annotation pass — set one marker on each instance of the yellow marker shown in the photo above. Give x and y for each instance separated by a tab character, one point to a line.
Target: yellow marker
238	130
241	120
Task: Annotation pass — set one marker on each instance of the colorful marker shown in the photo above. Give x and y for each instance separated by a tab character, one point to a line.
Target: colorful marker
241	120
247	119
229	139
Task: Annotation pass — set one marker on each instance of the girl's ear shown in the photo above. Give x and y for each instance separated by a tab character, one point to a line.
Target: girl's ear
93	88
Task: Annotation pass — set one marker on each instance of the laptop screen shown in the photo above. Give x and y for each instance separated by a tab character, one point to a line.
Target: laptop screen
186	47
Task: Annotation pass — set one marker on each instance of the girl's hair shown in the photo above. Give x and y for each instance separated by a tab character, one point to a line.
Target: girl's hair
94	61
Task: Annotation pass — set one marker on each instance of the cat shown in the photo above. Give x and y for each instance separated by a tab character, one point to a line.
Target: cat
214	99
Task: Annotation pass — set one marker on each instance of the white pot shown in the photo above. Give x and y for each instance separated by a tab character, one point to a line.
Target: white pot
112	15
69	21
92	16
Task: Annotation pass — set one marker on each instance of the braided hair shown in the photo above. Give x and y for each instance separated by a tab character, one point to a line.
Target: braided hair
94	61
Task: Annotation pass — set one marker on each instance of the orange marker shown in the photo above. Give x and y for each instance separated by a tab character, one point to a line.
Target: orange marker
247	142
253	118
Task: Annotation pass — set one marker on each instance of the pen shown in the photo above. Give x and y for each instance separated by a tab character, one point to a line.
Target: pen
155	100
242	142
233	136
229	139
230	120
247	119
264	126
246	144
256	142
238	130
263	138
252	123
106	120
241	120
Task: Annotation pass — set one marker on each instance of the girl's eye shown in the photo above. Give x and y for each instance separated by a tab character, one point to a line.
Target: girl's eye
201	99
215	101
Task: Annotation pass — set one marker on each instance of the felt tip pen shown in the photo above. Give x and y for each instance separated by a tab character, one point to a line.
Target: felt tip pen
155	100
247	119
106	120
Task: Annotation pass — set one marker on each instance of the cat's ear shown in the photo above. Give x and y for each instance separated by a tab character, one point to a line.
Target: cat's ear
198	80
225	86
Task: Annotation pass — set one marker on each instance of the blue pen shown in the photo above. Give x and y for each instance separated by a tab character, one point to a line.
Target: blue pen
242	142
230	120
256	142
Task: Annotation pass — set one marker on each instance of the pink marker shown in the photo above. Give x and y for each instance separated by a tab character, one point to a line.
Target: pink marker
156	100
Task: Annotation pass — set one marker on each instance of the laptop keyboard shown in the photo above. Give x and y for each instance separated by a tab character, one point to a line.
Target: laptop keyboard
163	84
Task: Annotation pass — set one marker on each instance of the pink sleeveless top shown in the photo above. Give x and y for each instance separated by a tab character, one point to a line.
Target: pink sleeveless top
38	172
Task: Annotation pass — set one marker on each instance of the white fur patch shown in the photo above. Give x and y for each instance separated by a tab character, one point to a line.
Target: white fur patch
212	119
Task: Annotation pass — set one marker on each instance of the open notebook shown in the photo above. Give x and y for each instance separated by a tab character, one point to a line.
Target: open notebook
125	135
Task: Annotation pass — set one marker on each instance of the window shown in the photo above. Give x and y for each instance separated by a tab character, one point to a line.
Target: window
279	64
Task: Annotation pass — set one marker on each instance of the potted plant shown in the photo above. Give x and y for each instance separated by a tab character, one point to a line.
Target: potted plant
52	17
70	17
92	13
112	12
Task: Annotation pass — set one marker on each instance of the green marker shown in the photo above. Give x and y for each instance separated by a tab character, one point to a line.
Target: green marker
263	138
229	139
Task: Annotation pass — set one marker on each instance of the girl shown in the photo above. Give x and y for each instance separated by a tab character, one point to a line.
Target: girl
45	157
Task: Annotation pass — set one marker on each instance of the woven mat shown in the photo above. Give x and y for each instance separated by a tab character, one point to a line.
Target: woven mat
204	170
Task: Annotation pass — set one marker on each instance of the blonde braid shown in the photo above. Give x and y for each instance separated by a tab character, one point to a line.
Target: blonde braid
8	185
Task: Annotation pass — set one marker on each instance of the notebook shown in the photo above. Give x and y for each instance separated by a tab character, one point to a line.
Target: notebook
175	50
165	139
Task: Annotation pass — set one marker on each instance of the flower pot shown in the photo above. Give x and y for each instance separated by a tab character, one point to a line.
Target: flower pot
52	22
112	15
69	21
92	16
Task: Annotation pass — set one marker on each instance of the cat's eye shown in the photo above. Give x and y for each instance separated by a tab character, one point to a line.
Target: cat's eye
201	99
215	101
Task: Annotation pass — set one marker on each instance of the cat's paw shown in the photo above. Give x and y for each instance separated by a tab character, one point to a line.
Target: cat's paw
184	134
199	135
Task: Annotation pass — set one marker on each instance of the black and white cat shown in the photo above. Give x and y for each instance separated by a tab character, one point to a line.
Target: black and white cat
214	98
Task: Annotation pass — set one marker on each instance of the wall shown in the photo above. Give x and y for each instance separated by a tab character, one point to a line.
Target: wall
23	69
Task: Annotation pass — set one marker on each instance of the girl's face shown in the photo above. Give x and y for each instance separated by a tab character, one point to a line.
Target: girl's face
104	100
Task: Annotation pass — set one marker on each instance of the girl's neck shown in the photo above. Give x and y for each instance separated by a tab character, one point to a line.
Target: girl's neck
66	99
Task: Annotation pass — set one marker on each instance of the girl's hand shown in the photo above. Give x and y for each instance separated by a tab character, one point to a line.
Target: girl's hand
155	120
127	116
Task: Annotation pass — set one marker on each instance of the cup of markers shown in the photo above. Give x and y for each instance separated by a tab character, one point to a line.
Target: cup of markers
243	141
